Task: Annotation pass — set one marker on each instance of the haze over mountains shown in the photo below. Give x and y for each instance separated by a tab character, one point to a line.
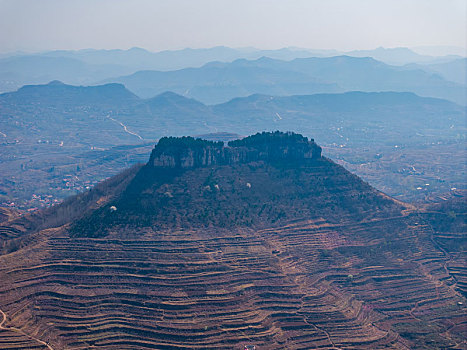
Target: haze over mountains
271	198
453	70
219	82
66	137
89	66
59	108
370	115
216	82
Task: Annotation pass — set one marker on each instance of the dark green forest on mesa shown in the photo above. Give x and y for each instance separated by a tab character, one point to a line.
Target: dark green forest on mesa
264	231
78	136
235	174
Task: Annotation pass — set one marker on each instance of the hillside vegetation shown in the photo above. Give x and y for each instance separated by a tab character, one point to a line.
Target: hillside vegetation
274	246
68	138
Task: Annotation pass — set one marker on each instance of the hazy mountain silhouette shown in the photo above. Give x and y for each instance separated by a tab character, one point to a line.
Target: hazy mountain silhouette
57	94
50	131
399	56
139	58
61	110
218	82
385	117
455	70
91	66
39	69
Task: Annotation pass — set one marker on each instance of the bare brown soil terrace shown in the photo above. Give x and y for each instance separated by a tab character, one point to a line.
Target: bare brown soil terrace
378	276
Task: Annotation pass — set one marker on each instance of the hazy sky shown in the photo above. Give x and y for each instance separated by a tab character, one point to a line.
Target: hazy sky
156	25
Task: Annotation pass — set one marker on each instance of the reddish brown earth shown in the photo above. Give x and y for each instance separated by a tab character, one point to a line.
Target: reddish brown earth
320	261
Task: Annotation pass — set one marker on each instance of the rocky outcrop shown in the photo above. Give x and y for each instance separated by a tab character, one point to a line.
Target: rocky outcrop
299	254
188	152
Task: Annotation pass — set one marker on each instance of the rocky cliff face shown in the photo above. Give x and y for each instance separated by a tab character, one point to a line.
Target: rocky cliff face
217	257
187	152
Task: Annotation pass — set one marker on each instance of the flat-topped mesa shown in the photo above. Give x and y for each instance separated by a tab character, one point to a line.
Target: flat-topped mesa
188	152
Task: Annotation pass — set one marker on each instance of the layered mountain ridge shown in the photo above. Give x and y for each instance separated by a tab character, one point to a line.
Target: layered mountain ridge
88	65
218	82
50	132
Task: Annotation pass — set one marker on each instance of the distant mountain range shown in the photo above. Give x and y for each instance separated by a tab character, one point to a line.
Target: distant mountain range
86	67
48	132
400	56
89	66
455	70
218	82
108	115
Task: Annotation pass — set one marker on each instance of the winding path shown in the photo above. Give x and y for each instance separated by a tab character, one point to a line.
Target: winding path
17	330
125	127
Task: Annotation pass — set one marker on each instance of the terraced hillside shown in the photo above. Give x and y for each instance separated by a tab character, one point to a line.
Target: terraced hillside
448	222
261	242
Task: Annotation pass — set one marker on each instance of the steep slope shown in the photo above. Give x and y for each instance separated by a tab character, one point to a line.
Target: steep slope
398	142
52	137
448	221
261	242
49	132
